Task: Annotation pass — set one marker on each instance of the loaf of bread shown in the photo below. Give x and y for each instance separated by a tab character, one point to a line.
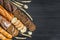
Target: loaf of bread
2	37
24	19
5	33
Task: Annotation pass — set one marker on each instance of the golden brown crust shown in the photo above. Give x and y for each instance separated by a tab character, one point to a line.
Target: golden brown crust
2	37
4	13
5	33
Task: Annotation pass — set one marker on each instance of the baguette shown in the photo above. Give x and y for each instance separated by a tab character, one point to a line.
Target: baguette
2	37
2	31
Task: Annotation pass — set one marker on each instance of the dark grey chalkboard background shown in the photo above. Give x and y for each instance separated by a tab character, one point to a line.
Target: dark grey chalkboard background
46	15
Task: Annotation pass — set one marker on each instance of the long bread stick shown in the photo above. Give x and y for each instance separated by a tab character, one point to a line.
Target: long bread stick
2	37
2	31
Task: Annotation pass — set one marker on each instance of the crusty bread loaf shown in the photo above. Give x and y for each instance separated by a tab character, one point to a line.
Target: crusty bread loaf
24	19
5	33
2	37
